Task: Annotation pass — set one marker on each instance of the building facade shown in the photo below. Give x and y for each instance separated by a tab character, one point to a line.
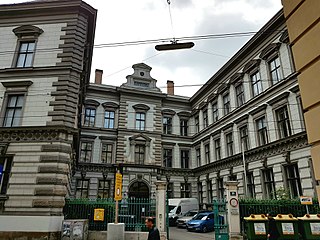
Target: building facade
46	49
302	18
245	124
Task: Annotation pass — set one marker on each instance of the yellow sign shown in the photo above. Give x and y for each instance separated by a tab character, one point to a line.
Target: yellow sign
98	214
306	200
118	187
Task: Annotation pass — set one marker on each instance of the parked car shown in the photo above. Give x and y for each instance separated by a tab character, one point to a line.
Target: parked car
202	222
179	206
181	221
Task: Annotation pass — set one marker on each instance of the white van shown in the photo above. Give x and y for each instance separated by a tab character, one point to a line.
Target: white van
179	206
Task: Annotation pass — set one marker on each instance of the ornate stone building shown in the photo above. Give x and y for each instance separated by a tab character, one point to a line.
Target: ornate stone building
249	111
46	49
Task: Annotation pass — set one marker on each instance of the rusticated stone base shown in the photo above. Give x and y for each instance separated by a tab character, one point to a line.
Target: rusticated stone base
30	236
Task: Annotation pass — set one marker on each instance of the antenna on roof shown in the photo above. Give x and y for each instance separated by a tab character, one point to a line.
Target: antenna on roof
174	45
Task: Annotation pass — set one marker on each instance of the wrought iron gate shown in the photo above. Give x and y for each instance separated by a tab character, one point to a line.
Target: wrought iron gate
220	219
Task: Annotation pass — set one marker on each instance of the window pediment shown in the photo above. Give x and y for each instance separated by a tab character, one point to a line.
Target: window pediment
259	109
140	137
223	87
110	105
168	112
141	107
244	118
284	37
184	114
91	102
251	65
281	97
27	30
16	84
270	49
236	77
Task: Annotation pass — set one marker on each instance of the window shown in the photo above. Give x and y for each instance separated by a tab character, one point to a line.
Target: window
256	84
220	188
5	169
262	131
229	141
240	95
226	104
106	153
283	122
185	190
167	125
184	127
140	121
184	158
293	180
269	185
275	70
27	37
82	188
244	138
217	148
89	117
104	189
207	153
198	156
139	153
205	118
200	191
209	189
13	114
167	158
86	152
215	111
232	177
250	185
170	190
109	119
26	54
196	122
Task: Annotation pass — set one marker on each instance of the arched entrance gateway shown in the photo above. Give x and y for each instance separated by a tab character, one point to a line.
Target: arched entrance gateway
140	204
139	190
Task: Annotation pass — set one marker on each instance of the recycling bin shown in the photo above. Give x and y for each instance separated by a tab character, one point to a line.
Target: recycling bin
287	227
256	226
309	226
75	229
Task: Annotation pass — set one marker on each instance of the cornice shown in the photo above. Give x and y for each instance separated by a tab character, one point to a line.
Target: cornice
35	134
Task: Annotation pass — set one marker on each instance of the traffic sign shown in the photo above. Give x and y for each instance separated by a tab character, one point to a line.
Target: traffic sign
306	200
118	187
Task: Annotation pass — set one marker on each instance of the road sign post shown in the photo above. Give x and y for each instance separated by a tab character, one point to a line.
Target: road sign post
117	193
306	201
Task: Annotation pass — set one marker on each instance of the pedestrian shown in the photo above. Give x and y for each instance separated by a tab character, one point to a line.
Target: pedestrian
153	231
273	233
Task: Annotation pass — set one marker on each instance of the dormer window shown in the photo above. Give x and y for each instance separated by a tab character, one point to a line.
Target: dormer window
141	84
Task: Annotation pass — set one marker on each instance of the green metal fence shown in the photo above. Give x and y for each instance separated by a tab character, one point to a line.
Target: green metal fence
132	212
253	206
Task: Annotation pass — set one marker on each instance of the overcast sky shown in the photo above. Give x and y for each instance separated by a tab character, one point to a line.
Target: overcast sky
135	20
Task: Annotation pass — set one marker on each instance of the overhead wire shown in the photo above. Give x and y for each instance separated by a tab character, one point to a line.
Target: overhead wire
150	41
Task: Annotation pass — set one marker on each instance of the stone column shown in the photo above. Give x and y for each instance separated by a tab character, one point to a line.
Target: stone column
233	209
161	208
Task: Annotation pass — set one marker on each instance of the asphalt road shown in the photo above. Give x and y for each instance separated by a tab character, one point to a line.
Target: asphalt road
182	234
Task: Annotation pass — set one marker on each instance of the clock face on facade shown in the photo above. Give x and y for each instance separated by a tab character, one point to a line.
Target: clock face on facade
233	202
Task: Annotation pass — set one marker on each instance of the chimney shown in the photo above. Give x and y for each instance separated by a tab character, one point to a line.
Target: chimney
170	87
98	77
